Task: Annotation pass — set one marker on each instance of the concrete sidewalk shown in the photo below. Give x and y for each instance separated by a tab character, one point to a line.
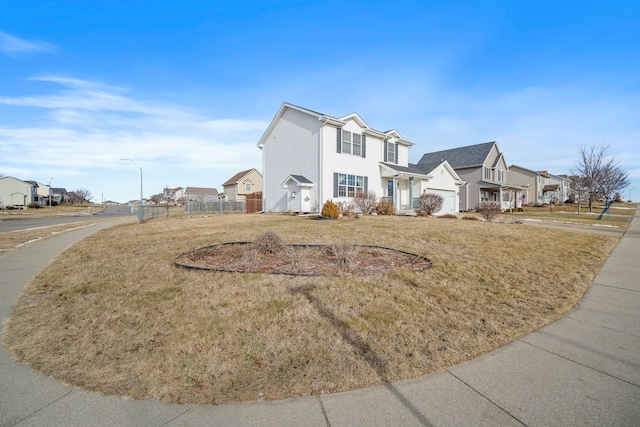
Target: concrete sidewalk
583	370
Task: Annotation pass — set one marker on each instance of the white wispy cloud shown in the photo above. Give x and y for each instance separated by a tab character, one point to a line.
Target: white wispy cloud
85	128
13	46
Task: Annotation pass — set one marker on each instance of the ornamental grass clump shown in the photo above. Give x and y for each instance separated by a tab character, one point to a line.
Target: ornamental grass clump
268	242
345	254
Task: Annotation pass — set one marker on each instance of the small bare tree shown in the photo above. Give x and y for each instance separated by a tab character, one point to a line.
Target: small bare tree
365	201
80	196
614	178
599	174
430	203
488	210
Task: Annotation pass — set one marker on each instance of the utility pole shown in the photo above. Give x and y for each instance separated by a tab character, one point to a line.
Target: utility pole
140	207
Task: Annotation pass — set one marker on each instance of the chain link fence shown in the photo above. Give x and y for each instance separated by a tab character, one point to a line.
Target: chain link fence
219	207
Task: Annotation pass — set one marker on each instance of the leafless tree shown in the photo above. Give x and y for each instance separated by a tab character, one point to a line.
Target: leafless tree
365	201
431	203
81	195
614	178
599	175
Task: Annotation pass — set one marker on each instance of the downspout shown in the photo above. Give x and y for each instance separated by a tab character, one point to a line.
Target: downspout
320	172
264	170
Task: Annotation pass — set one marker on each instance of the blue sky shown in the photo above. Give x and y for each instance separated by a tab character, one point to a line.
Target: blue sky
187	88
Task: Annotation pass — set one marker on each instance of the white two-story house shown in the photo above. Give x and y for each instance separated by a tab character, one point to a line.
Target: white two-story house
310	157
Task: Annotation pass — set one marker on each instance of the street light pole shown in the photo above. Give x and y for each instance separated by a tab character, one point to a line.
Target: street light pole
50	193
140	212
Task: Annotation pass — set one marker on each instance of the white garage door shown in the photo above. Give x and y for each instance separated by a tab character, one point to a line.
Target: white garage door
449	204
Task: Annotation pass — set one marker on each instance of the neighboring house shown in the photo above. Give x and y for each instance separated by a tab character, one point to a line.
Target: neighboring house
173	195
15	192
310	157
563	182
201	194
60	195
241	184
40	193
541	186
536	183
484	169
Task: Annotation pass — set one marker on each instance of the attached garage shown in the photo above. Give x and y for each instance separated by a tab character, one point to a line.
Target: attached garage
450	201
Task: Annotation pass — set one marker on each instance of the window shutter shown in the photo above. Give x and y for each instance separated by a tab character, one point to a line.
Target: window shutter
366	184
339	141
395	151
386	147
364	146
335	184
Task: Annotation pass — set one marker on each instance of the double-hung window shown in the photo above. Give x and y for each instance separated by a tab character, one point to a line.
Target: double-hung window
346	141
392	153
487	173
351	143
356	144
349	185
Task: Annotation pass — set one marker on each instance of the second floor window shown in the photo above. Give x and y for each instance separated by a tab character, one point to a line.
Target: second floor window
346	141
356	144
487	173
500	175
392	153
351	143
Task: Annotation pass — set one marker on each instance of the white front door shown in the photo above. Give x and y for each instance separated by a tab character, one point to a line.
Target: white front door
305	199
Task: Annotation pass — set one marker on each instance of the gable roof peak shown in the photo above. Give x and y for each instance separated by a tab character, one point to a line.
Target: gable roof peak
460	157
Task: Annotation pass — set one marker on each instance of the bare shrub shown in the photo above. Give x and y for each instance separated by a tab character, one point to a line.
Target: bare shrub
430	203
470	218
268	241
452	216
250	256
385	207
345	254
365	201
330	210
296	260
345	209
488	210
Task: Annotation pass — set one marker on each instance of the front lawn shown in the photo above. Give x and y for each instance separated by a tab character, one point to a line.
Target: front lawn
116	316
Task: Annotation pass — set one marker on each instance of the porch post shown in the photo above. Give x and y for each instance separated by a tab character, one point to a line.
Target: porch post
410	193
396	198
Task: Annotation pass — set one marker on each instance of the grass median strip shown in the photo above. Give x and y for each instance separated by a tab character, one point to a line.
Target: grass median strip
116	316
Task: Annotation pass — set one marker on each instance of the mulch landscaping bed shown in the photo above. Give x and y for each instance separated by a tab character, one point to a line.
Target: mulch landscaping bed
303	260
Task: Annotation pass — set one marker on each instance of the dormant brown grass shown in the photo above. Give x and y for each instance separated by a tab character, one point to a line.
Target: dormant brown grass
115	315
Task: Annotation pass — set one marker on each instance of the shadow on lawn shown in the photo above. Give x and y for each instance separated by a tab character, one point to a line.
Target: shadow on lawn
362	348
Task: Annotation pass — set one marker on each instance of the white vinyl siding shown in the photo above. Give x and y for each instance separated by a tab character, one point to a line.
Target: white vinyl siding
365	166
295	136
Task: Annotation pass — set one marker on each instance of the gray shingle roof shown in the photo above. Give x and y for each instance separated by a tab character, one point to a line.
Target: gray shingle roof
301	179
471	155
202	190
414	169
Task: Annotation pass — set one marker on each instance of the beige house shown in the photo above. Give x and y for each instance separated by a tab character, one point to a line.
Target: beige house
241	184
484	170
15	193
